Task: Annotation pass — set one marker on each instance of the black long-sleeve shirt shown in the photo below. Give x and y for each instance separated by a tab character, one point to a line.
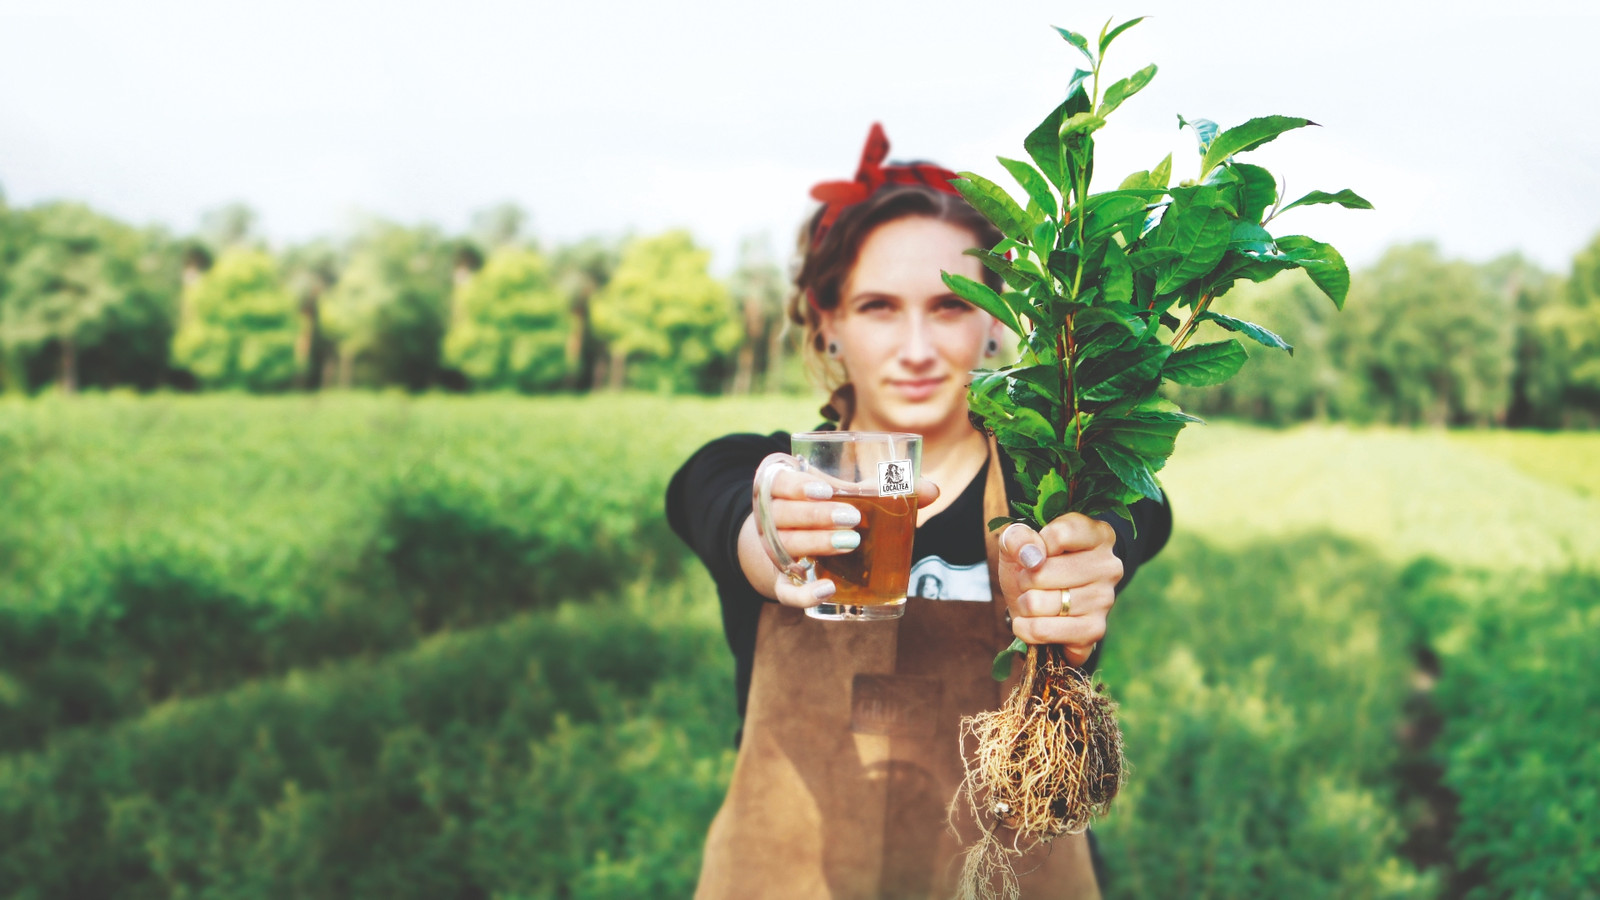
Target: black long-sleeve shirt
709	498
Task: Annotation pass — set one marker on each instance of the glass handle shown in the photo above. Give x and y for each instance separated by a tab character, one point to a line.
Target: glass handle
799	571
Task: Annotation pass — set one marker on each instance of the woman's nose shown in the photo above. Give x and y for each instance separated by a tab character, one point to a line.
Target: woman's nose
917	347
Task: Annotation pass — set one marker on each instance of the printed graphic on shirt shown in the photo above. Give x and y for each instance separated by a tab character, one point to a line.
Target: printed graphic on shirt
936	579
894	477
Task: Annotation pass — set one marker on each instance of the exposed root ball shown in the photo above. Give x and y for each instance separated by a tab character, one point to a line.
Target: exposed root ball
1044	764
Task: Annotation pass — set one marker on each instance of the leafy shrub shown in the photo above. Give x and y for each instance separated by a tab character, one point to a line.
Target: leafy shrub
560	753
1520	744
1260	691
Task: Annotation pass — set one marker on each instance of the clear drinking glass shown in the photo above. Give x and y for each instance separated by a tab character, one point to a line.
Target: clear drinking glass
876	472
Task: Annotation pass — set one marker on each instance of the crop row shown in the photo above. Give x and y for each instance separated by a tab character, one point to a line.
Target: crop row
175	547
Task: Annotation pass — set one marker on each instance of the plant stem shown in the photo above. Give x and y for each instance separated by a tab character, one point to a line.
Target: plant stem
1187	330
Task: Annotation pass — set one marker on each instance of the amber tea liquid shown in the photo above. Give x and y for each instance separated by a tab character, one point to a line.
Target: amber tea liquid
878	571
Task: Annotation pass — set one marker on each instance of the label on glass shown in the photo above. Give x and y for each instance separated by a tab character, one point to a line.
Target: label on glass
894	477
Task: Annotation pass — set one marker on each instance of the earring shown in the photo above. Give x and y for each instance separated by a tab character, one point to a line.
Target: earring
992	347
833	349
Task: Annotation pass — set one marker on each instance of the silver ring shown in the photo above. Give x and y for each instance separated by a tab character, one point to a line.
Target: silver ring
1066	602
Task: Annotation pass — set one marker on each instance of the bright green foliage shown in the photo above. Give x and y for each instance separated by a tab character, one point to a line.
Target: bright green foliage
581	270
1434	338
510	326
1520	749
239	325
385	317
1260	739
1106	290
668	325
1575	328
84	286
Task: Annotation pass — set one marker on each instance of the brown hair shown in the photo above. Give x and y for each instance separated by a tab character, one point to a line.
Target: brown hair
825	266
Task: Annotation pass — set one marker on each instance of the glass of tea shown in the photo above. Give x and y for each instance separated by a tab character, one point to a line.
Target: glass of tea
876	472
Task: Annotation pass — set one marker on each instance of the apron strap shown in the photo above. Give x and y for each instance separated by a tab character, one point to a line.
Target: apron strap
995	506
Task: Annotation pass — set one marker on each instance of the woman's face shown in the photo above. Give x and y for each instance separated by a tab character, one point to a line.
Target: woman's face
907	342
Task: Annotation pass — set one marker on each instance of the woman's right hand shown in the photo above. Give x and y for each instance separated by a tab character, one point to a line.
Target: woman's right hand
808	523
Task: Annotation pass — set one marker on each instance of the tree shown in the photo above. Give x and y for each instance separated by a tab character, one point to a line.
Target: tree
1432	338
229	226
12	377
1574	330
510	325
1537	376
74	269
582	270
500	226
311	270
239	324
667	324
758	288
385	318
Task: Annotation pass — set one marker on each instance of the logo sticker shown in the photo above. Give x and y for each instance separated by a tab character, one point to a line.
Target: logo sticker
894	477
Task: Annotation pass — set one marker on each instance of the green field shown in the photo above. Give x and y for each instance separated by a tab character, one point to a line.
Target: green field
377	646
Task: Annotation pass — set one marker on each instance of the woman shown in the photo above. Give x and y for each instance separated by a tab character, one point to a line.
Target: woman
849	750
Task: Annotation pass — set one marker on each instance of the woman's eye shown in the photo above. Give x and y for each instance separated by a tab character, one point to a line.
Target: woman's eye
873	305
955	304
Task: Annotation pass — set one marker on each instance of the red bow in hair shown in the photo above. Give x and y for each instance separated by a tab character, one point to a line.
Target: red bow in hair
871	175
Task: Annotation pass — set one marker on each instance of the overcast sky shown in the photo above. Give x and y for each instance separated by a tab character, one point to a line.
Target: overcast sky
1470	123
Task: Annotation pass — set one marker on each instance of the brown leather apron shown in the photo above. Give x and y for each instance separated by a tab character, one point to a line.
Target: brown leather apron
851	754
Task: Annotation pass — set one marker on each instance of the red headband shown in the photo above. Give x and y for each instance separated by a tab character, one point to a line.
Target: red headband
871	175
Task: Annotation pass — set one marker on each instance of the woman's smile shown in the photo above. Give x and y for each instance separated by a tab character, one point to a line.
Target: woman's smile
918	389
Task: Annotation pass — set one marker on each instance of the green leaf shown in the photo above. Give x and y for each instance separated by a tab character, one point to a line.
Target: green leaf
1124	88
1002	663
1024	428
1249	329
1247	235
1248	136
1198	228
1076	40
1129	469
1257	191
1044	142
1117	287
1111	210
1046	378
1204	364
1153	256
983	297
1161	175
1138	181
1346	198
1053	498
1081	123
1205	131
1323	263
1151	435
994	203
1143	369
1003	267
1106	39
1034	183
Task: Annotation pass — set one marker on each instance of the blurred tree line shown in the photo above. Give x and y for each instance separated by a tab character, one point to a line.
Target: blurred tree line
90	302
87	301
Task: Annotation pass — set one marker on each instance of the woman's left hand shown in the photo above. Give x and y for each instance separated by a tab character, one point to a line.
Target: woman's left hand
1060	583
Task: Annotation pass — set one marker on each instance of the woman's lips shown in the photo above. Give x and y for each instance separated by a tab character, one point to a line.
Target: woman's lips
915	389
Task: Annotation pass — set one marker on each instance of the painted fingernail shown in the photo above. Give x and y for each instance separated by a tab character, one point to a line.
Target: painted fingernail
816	490
823	590
845	540
847	517
1030	556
